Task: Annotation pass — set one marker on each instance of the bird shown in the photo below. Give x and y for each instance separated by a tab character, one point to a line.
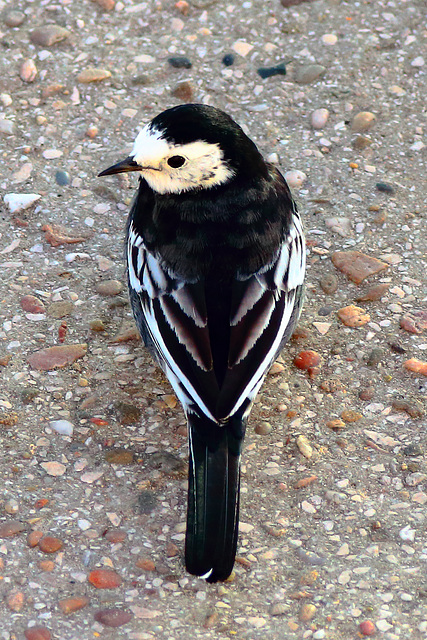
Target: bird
216	258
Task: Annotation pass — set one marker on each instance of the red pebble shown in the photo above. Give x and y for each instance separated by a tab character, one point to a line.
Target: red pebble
31	304
49	544
307	360
37	633
40	503
367	628
62	331
113	617
115	535
104	579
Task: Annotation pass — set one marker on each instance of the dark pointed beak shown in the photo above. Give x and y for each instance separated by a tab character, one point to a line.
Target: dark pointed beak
128	164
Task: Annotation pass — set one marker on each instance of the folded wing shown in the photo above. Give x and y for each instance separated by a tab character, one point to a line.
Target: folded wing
173	319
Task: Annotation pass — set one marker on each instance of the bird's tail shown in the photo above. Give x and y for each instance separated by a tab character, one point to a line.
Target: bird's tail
213	496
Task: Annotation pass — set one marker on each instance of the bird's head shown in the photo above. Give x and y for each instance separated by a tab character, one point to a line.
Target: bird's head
191	147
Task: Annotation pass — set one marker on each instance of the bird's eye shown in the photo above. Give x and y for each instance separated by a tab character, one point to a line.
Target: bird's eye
176	161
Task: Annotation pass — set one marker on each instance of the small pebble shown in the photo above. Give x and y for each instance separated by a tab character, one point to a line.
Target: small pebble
413	450
417	62
182	6
375	357
11	528
50	544
64	427
319	118
304	446
37	633
60	309
70	605
305	74
13	18
363	121
367	394
56	357
17	202
335	424
228	59
113	617
62	178
120	456
278	609
184	91
34	538
242	48
376	292
367	628
107	5
329	39
295	178
384	187
416	366
115	535
54	468
339	225
180	62
307	612
28	71
15	601
329	283
268	72
414	321
11	506
31	304
307	359
263	428
109	287
356	265
7	128
48	35
104	579
361	142
353	316
146	564
93	74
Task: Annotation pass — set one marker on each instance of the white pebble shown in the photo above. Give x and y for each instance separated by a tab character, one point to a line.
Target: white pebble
6	126
273	158
20	201
418	62
63	427
308	507
5	99
319	118
383	625
295	178
84	525
242	48
51	154
89	222
407	533
329	39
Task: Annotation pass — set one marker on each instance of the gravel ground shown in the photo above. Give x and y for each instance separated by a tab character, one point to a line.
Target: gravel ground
333	538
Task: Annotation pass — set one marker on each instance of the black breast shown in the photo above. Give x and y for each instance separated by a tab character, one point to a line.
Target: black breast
227	230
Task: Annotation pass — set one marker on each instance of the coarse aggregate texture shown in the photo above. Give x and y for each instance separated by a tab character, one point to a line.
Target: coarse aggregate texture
93	455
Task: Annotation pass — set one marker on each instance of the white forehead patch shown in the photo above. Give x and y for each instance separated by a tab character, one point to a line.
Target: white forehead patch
149	147
205	166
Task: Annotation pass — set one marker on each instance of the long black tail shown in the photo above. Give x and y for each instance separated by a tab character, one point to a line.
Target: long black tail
213	497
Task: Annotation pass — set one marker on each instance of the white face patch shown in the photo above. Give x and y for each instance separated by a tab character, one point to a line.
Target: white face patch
204	165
